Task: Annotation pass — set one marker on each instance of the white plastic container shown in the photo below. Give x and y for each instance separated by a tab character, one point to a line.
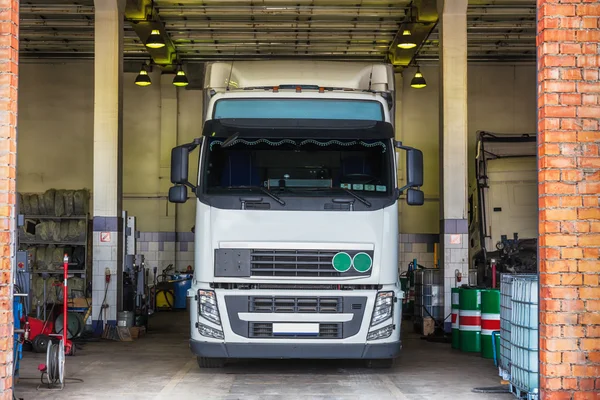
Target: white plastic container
505	316
524	334
505	321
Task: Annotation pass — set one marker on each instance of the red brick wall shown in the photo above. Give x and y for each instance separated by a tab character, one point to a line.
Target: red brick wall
569	189
9	48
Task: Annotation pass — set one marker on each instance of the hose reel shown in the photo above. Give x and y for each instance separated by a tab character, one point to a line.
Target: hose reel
54	373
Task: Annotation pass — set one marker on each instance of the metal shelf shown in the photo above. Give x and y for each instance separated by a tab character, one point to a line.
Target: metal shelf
57	272
50	242
83	242
54	217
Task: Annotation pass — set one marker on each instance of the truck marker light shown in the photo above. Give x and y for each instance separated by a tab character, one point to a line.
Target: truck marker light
342	262
382	333
362	262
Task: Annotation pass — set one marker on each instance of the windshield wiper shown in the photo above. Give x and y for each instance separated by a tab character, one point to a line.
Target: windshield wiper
357	197
271	195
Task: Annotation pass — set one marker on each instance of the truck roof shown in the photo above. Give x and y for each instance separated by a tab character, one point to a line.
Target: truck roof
362	76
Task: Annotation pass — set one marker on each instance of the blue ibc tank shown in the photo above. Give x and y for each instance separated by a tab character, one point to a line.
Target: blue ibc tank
182	283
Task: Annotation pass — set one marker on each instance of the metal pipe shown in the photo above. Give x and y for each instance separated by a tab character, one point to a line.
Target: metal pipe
54	9
297	7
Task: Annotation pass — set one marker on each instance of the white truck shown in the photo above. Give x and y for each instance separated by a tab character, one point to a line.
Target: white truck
503	206
296	235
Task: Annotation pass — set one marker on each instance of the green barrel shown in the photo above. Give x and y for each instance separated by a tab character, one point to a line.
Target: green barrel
455	308
490	321
469	319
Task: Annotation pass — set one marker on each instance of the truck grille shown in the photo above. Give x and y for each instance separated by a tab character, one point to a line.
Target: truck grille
280	263
301	263
295	304
323	310
330	331
260	330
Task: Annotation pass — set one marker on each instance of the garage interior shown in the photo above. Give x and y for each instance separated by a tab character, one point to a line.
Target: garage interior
99	112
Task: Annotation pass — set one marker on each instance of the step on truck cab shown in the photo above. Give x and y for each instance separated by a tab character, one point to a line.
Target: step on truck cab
296	231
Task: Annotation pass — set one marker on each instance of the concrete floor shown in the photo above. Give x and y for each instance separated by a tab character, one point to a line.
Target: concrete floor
160	366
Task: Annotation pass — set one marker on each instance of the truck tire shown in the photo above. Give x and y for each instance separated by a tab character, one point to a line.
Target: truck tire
381	363
205	362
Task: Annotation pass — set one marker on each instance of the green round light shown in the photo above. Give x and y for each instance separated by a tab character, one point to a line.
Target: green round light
342	262
362	262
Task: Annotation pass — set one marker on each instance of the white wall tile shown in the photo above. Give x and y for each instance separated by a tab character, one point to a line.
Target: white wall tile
103	253
166	256
419	247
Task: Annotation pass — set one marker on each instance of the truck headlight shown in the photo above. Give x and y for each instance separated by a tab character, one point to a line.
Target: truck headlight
208	306
384	306
210	332
381	333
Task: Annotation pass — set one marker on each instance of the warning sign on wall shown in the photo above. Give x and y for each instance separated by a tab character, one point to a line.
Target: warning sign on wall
454	239
105	236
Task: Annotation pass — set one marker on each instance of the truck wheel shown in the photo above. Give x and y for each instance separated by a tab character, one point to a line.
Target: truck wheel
205	362
380	363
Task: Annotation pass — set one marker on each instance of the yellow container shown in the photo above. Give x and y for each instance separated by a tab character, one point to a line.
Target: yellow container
165	299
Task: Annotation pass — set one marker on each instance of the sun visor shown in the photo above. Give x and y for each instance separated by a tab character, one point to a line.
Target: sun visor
299	129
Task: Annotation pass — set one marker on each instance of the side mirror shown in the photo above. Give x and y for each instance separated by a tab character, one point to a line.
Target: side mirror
179	165
178	194
414	168
415	197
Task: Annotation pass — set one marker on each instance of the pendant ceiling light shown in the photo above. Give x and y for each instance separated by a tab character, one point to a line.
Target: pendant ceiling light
406	40
143	79
180	78
155	40
418	81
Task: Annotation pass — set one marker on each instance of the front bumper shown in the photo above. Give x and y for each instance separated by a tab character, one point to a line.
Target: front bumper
296	350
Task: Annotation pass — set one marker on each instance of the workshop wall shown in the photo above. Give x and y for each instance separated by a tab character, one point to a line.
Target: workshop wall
56	138
55	142
502	99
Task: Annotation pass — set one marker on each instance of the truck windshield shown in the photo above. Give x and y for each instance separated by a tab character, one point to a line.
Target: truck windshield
299	108
299	167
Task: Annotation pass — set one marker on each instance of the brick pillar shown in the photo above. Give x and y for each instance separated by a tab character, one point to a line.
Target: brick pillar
569	189
9	52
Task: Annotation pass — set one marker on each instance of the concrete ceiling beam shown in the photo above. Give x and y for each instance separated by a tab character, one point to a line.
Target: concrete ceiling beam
424	18
143	18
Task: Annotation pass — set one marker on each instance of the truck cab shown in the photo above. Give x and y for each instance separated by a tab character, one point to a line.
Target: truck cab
296	225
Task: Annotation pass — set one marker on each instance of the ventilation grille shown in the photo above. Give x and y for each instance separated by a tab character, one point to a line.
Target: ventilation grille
330	331
296	304
261	329
301	263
